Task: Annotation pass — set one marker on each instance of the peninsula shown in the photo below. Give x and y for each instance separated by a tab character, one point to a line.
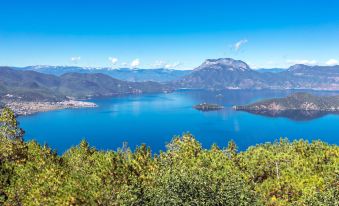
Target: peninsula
297	101
298	106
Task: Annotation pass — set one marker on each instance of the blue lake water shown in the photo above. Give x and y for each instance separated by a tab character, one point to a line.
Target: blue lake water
155	118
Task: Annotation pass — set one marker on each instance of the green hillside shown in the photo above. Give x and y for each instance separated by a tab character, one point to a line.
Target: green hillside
35	86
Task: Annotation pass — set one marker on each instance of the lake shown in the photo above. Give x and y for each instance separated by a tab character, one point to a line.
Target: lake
155	118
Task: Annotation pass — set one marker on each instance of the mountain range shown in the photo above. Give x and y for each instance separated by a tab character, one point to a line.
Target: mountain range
55	83
126	74
227	73
271	70
35	86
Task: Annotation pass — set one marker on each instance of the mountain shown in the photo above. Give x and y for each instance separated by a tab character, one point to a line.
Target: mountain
28	85
227	73
89	85
270	70
126	74
316	77
223	73
35	86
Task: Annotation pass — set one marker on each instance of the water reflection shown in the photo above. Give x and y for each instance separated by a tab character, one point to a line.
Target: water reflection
296	115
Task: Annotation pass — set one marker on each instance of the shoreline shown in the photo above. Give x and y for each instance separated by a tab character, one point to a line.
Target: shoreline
25	108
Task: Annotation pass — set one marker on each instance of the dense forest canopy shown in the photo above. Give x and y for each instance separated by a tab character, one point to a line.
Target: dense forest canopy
274	174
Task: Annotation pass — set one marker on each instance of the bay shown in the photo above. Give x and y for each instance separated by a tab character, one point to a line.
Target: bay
154	119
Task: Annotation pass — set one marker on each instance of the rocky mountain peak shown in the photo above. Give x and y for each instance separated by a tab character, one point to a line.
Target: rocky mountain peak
297	67
224	63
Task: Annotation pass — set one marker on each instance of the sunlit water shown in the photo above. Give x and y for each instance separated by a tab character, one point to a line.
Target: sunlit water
155	118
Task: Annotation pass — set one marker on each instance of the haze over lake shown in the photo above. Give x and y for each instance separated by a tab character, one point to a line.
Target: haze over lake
155	118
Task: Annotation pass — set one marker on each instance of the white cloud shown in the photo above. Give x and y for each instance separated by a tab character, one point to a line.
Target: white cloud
239	44
113	60
253	66
135	63
75	59
332	62
302	61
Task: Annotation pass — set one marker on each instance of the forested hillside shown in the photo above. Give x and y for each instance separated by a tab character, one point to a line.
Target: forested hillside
280	173
34	86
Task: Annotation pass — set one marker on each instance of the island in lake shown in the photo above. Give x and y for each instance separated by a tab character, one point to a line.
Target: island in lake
298	106
208	107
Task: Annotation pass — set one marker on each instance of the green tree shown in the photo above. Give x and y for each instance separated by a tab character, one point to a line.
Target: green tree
285	173
39	180
13	150
190	175
9	126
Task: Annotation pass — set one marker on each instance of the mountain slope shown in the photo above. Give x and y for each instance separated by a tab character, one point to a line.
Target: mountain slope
35	86
28	85
316	77
134	75
270	70
222	73
226	73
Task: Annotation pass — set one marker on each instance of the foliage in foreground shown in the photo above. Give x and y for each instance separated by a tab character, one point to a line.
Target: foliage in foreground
279	173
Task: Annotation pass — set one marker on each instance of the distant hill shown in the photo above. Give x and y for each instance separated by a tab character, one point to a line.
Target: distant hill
316	77
271	70
35	86
127	74
28	85
227	73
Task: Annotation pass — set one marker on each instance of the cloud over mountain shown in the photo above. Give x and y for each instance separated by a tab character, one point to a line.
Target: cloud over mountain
135	63
332	62
113	60
239	44
75	59
302	61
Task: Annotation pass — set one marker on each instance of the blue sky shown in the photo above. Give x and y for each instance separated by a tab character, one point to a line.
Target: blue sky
168	33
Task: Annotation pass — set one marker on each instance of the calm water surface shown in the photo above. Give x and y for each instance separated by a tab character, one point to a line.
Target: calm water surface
154	119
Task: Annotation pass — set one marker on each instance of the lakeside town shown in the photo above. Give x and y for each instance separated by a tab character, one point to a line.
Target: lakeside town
23	108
